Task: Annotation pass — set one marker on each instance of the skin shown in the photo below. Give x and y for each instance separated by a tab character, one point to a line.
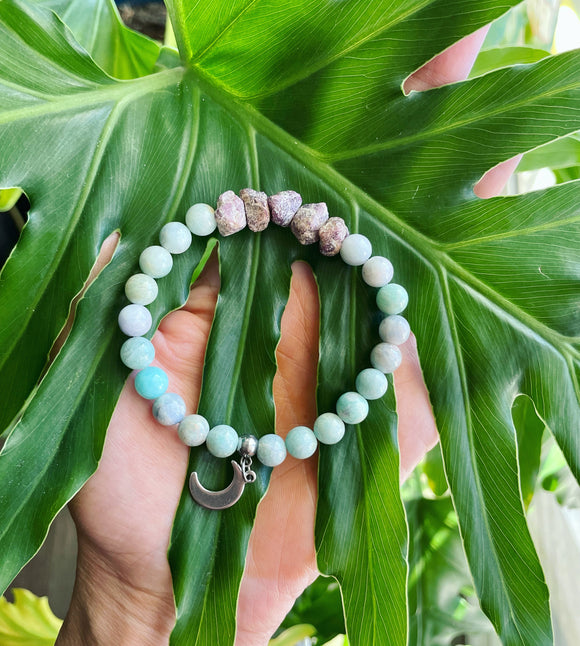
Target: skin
123	592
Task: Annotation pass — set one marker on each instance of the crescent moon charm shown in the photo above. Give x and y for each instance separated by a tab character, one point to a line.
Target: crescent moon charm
218	499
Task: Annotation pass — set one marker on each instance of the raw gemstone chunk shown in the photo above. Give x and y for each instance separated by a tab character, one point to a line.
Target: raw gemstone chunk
230	214
331	236
308	220
257	210
283	206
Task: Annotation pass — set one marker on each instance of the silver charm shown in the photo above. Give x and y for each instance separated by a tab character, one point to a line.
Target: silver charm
229	496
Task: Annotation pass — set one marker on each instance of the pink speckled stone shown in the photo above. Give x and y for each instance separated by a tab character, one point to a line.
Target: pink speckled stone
230	214
332	233
257	210
283	206
307	221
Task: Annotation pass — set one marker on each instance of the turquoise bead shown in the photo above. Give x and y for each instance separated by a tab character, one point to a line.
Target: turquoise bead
200	218
301	442
155	261
392	298
371	383
141	289
135	320
386	357
151	382
271	450
175	237
352	408
356	249
169	409
394	329
137	353
193	430
329	428
222	441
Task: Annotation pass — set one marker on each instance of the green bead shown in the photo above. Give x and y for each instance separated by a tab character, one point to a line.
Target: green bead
392	298
301	442
352	408
329	428
137	353
222	441
193	430
371	383
271	450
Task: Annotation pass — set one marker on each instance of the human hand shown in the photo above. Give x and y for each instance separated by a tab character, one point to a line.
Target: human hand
124	513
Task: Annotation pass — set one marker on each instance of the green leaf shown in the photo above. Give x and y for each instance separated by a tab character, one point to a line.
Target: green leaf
308	96
494	59
28	621
530	429
558	154
435	471
97	26
9	197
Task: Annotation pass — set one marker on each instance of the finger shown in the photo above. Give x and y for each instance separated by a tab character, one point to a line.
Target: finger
452	65
281	559
492	183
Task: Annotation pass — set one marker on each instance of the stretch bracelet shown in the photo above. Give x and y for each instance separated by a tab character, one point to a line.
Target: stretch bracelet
310	223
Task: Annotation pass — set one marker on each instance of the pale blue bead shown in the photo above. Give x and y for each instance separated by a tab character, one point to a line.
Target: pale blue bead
169	409
392	298
141	289
135	320
175	237
394	329
377	271
200	219
222	441
329	428
271	450
151	382
193	430
371	383
155	261
301	442
137	353
352	408
386	357
356	249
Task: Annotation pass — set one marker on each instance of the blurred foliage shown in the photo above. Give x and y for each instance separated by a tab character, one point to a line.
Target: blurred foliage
28	621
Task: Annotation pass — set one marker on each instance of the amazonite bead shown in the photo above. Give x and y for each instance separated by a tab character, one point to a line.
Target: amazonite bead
137	353
394	329
392	298
377	271
371	383
222	441
271	450
356	249
175	237
352	408
329	428
169	409
193	430
155	261
135	320
386	357
200	218
151	382
301	442
141	289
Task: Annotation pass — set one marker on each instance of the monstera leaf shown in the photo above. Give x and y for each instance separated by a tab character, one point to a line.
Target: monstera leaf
304	95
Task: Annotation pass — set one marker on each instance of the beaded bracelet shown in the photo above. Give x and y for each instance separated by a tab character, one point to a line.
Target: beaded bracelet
310	223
